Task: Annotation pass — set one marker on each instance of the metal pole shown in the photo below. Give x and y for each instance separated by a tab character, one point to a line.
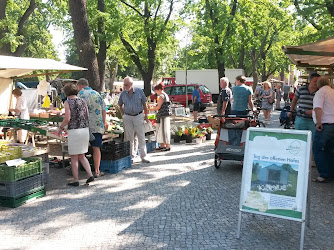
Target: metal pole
301	246
186	71
308	198
239	225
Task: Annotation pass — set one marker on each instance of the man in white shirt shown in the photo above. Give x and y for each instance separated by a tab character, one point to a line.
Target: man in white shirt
323	143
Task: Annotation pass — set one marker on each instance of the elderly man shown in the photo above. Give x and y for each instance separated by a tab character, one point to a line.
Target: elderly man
132	102
224	98
242	97
323	117
97	120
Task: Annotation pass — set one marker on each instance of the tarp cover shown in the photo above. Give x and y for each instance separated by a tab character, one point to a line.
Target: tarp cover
6	86
11	66
318	54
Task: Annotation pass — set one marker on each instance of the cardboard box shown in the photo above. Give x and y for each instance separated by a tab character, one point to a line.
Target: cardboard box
44	115
214	122
34	115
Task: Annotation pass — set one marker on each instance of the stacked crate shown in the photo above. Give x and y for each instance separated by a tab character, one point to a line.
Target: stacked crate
20	184
115	156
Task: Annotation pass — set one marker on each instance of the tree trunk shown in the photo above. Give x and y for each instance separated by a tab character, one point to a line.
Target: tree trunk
84	42
113	74
242	58
147	83
254	69
102	54
282	74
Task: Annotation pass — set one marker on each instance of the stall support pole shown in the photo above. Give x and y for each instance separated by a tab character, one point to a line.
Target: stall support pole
239	225
308	203
302	233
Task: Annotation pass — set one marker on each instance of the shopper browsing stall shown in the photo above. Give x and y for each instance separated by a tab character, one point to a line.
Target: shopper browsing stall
163	119
76	119
21	109
304	98
268	98
242	97
196	100
323	117
97	120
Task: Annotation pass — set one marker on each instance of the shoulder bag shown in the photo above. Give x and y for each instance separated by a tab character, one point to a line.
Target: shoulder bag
271	100
165	109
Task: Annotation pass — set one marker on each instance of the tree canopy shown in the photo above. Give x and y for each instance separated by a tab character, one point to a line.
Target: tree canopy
115	38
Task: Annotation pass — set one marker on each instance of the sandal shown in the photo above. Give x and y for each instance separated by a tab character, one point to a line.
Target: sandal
322	180
98	175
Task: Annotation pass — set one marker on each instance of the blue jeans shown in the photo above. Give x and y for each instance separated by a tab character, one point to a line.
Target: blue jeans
323	151
305	124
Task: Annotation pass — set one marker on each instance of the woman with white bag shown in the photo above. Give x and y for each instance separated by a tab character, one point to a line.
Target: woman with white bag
163	118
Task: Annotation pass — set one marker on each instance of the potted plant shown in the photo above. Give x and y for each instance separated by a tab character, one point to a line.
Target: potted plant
199	137
178	132
189	131
209	131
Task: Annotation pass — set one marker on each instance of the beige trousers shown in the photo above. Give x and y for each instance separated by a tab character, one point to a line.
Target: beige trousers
134	126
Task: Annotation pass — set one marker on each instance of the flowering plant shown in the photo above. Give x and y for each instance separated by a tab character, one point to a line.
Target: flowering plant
179	131
209	130
199	134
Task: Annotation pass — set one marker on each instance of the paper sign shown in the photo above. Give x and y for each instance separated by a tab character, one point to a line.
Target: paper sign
15	163
275	172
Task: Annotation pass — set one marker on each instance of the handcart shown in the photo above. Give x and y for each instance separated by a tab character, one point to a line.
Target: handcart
288	122
231	136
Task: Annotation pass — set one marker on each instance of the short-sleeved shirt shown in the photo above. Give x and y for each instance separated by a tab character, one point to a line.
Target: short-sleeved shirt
324	99
286	89
225	95
22	105
196	93
132	105
305	101
95	106
241	95
79	113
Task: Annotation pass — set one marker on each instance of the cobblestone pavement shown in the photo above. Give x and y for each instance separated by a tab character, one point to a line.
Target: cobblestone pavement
179	201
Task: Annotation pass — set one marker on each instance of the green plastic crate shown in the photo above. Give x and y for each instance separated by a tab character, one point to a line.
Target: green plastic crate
4	158
15	152
19	200
22	171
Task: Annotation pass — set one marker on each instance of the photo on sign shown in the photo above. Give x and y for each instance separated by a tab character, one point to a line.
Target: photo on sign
274	178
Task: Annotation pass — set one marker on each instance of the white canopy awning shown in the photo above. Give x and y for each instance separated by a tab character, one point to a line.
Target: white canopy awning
11	66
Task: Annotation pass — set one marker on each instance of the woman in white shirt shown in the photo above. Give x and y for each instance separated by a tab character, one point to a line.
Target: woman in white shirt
21	109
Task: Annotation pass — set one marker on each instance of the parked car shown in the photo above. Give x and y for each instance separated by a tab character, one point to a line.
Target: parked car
177	94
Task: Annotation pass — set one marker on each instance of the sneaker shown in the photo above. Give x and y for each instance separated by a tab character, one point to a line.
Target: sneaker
145	161
90	179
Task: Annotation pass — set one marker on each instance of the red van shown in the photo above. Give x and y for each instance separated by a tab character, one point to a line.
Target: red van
177	94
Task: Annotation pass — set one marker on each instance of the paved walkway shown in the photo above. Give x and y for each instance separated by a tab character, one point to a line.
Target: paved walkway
179	201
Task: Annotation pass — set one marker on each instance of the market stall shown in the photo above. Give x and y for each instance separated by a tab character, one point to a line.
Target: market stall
24	169
317	56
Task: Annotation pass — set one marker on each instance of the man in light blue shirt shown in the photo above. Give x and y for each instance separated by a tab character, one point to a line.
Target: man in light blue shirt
242	97
132	102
